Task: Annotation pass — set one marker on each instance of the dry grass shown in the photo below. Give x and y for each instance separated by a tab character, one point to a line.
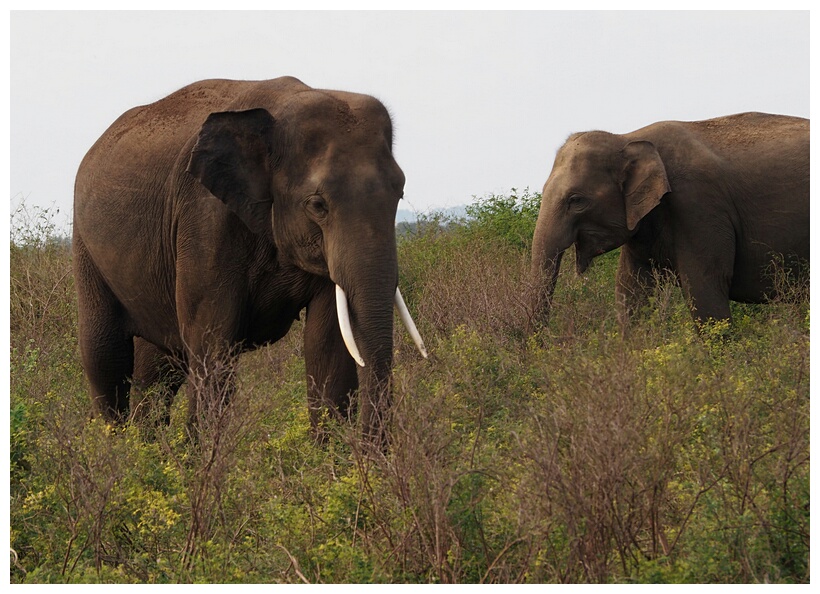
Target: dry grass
575	455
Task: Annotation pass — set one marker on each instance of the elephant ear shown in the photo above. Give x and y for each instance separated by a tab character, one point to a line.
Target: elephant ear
232	158
644	180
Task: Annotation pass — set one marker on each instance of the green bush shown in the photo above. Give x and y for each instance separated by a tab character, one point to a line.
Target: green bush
575	455
510	218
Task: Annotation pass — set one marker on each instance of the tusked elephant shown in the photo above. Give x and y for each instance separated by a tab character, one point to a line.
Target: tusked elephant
712	201
209	219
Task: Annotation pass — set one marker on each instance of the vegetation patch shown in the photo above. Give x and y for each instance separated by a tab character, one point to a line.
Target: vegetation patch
575	455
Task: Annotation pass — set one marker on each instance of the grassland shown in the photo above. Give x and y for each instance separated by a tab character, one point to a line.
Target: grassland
574	455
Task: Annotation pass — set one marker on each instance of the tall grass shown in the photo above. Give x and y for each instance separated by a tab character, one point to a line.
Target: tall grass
575	455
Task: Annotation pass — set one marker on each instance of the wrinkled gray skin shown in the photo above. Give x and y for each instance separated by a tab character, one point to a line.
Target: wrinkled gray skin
711	201
212	217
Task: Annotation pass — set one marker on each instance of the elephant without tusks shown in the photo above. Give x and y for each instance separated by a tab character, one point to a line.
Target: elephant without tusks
212	217
711	201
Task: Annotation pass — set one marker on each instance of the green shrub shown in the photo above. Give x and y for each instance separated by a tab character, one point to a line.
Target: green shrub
510	218
574	455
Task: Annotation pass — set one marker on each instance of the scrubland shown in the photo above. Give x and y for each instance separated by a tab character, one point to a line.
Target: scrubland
574	454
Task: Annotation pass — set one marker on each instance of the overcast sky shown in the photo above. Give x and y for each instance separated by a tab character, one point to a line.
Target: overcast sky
480	100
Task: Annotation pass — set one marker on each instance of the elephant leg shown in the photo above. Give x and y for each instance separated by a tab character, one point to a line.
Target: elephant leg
106	347
209	317
331	371
211	384
634	284
157	379
705	284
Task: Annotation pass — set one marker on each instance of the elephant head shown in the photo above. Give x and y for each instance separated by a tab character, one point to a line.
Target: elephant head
600	187
317	177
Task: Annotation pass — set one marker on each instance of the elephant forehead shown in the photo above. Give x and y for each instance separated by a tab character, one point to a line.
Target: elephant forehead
591	143
586	160
318	172
327	141
594	178
573	169
342	167
346	117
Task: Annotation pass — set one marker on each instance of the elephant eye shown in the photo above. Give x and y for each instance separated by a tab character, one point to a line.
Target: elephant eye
577	201
316	206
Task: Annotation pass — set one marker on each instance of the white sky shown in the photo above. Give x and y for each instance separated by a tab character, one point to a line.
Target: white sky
480	100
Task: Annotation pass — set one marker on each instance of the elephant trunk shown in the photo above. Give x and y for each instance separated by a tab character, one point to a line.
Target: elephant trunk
547	253
367	303
343	313
366	293
544	274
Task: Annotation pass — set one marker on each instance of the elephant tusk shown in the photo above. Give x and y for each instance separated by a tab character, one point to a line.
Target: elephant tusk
409	323
344	325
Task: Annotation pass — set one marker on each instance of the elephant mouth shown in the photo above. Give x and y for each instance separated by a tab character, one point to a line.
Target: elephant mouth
346	329
586	251
582	260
